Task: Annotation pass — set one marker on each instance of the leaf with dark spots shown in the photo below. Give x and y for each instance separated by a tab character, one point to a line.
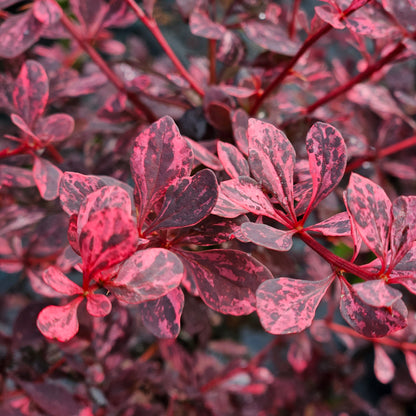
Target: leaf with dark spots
47	178
160	157
383	365
226	279
232	160
370	321
31	92
227	208
59	322
266	236
147	275
327	160
47	11
187	202
203	155
272	160
72	233
55	279
287	306
377	293
338	225
200	24
19	33
98	304
13	176
239	124
370	209
162	317
247	194
74	187
108	238
54	128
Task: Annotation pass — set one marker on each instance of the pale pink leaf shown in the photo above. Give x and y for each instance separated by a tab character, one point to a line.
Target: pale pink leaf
377	293
383	365
232	160
267	236
98	304
47	178
54	278
411	363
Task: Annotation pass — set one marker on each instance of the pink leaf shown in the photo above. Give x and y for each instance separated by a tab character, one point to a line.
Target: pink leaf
411	363
239	122
31	91
266	236
201	25
203	155
227	208
338	225
160	156
108	238
54	278
13	176
287	306
72	233
19	122
59	322
187	202
232	160
383	365
330	15
162	317
272	160
370	321
238	92
47	178
226	279
327	160
371	212
47	11
147	275
54	128
377	293
98	305
300	353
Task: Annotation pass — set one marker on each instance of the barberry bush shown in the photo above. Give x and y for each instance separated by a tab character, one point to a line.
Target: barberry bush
207	207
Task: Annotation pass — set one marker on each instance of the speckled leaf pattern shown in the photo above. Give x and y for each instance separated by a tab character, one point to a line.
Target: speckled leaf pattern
383	365
72	233
226	208
47	11
327	159
246	193
371	211
410	357
370	321
188	202
47	177
162	317
226	279
338	225
266	236
59	322
108	238
232	160
55	279
19	122
203	155
377	293
201	24
147	275
31	91
74	188
54	128
160	156
330	15
287	306
98	304
272	160
239	123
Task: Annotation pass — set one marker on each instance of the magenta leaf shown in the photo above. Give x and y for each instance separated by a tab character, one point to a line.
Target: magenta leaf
55	279
108	238
98	304
266	236
371	212
59	322
410	357
201	25
300	353
47	178
383	365
31	91
370	321
19	122
74	188
47	11
287	306
160	156
272	160
54	128
72	233
327	160
247	194
338	225
13	176
239	123
187	202
226	208
147	275
226	279
162	317
330	15
232	160
377	293
203	155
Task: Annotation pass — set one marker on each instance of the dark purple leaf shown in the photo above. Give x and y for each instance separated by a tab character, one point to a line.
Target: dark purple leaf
371	212
47	178
201	25
266	236
47	12
13	176
232	160
187	202
287	306
383	365
31	91
370	321
147	275
377	293
239	122
226	279
162	317
230	49
54	128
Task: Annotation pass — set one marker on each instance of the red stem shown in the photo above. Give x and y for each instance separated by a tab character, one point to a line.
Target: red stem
212	61
151	24
107	71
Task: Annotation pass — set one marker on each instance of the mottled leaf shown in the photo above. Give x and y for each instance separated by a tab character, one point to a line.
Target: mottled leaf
226	279
147	275
383	365
266	236
54	128
47	178
239	123
162	317
230	49
98	304
19	122
203	155
338	225
55	279
377	293
232	160
227	208
13	176
47	11
300	352
330	15
201	24
287	306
